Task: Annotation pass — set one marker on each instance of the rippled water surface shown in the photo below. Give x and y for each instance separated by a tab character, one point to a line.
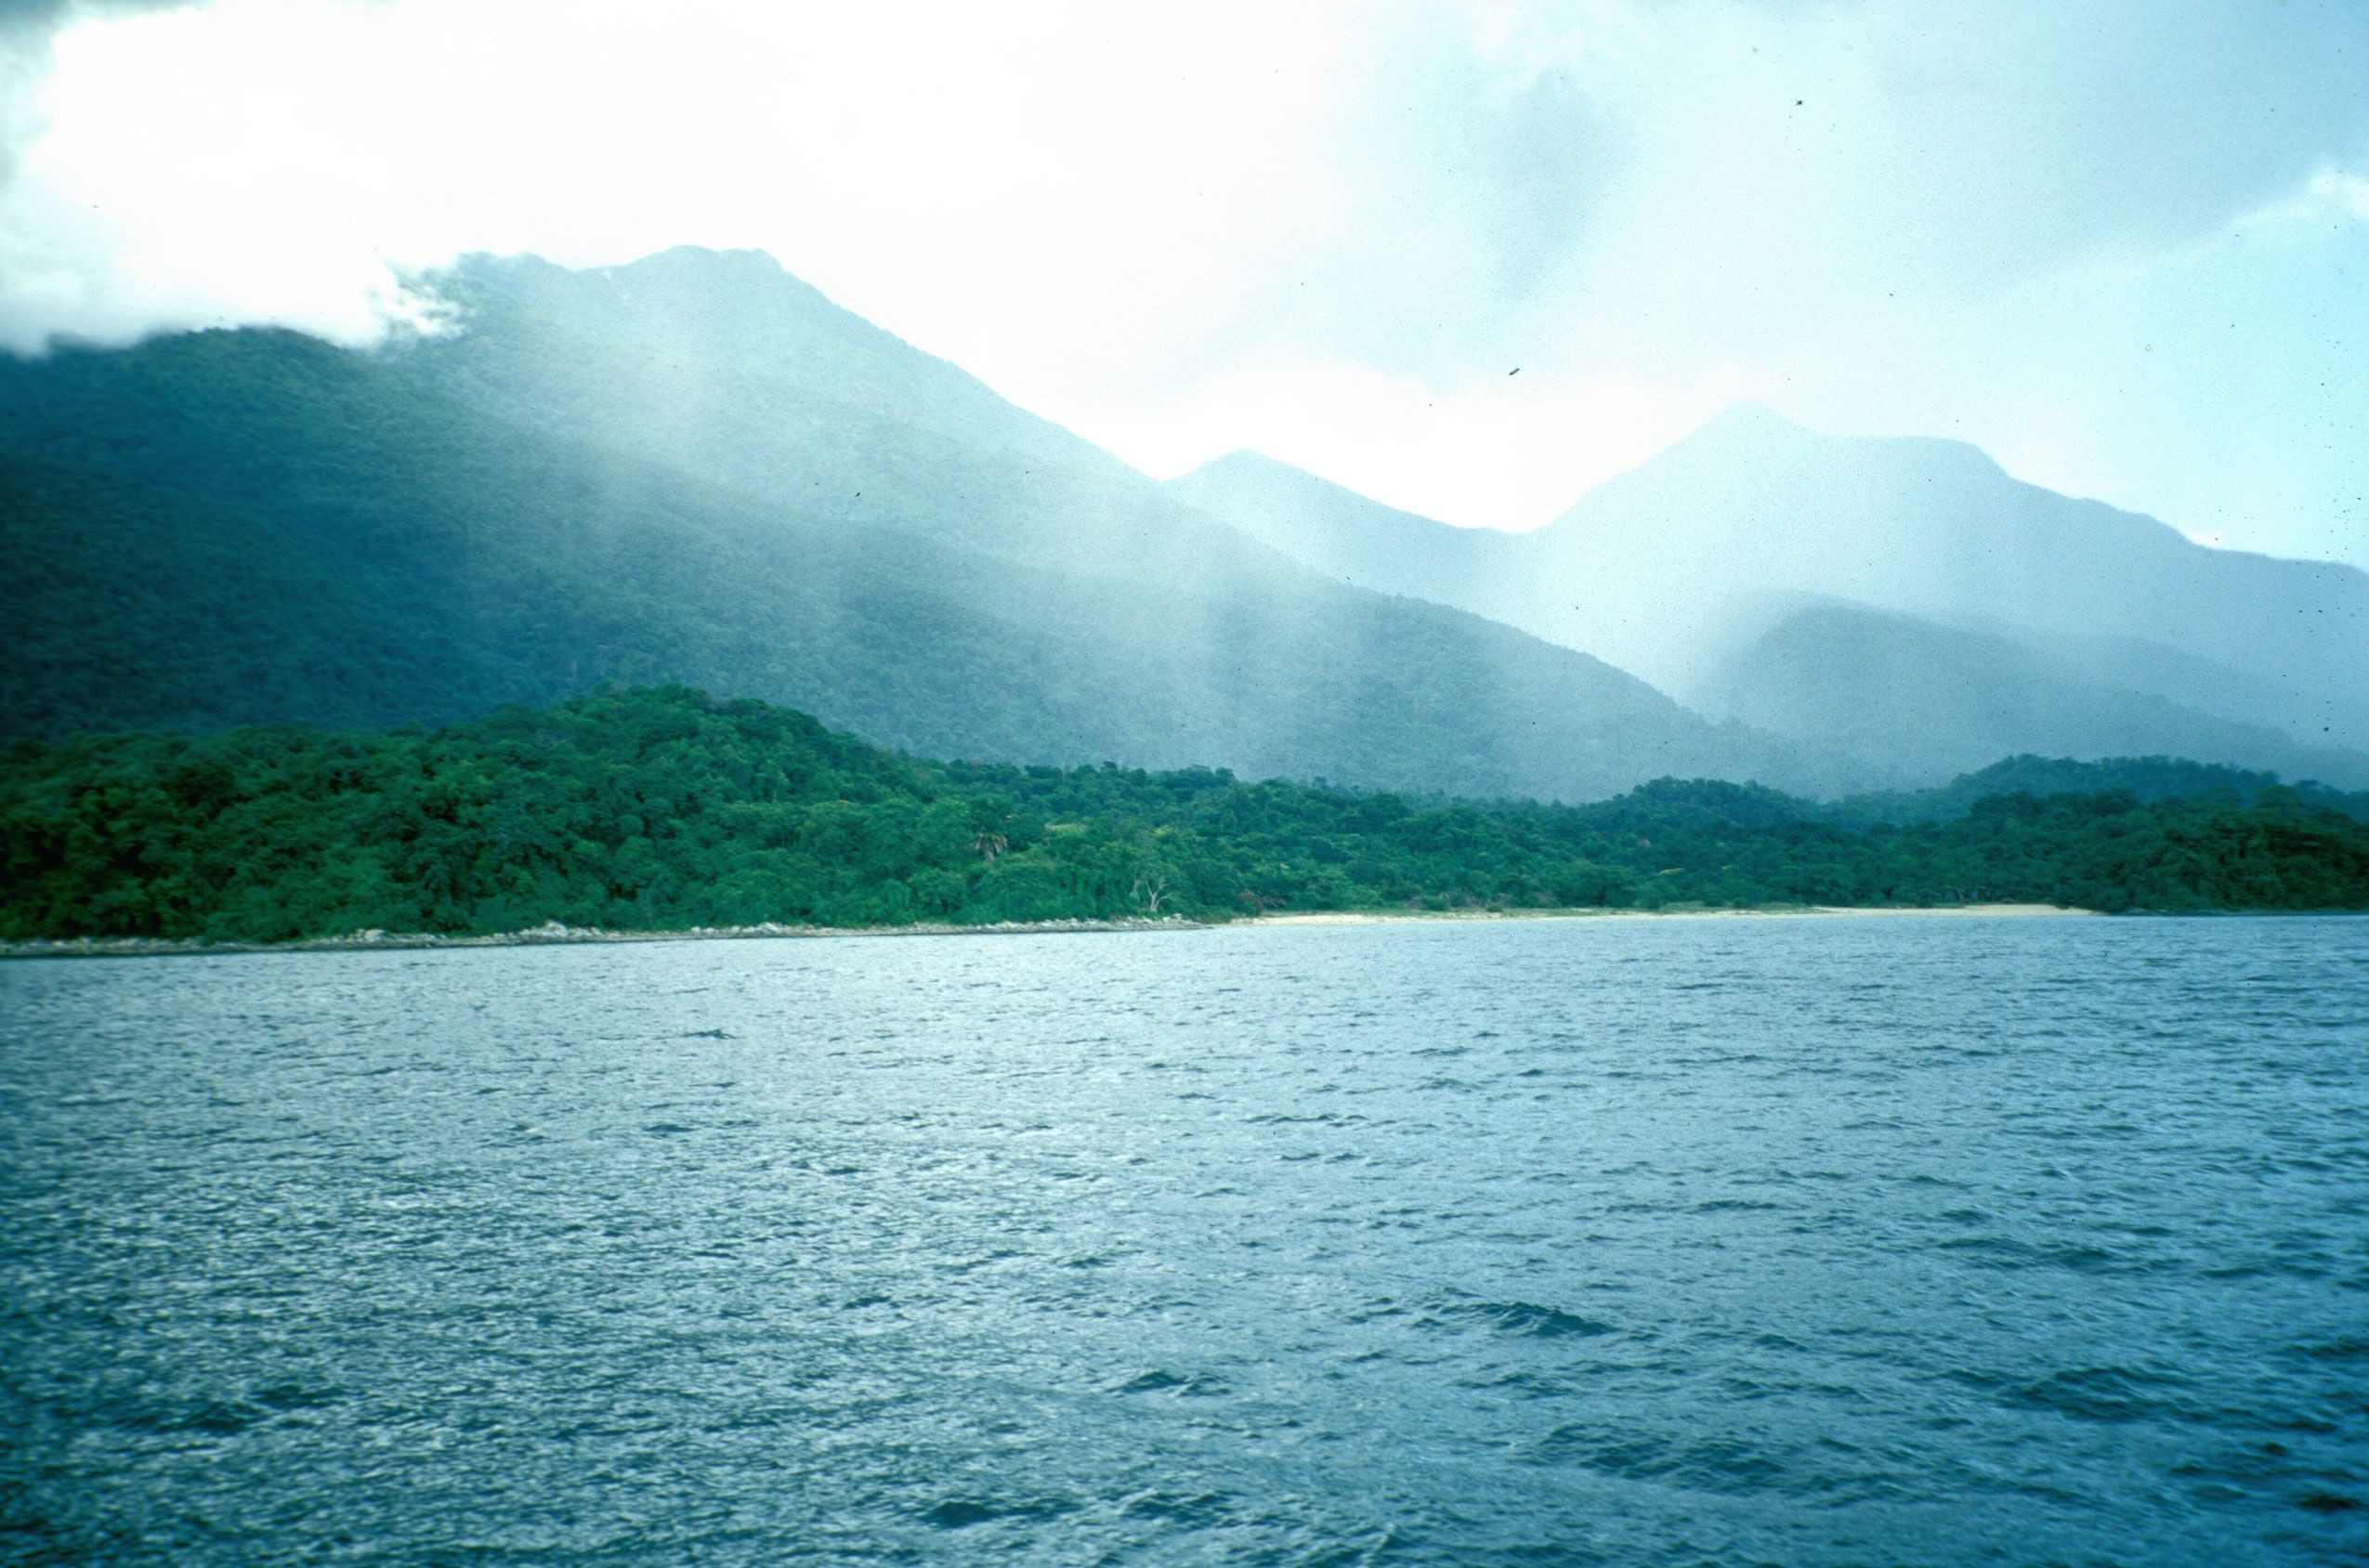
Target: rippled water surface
1657	1241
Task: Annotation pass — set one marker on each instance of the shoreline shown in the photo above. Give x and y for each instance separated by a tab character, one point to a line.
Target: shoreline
554	935
1771	913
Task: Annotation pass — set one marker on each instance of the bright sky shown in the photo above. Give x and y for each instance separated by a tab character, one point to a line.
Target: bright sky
2122	244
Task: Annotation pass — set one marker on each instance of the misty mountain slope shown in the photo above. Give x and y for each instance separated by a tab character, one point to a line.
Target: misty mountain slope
1673	568
1940	699
236	526
1352	537
258	524
811	407
736	312
781	447
2208	686
1752	505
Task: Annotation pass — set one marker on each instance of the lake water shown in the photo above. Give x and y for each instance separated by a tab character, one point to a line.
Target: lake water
1680	1241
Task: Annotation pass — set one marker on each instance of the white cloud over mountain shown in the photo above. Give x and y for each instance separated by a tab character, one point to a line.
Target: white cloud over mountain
2118	243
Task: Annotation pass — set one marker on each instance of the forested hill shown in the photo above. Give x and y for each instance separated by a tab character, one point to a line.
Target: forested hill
2150	778
664	808
694	469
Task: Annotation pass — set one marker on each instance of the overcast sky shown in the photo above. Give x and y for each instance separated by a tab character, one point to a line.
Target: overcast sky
2122	246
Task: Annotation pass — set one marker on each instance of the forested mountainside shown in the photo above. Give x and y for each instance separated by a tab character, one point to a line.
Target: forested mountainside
2146	779
667	809
1849	592
694	469
697	469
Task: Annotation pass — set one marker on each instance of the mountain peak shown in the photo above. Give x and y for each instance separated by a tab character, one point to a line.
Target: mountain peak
736	258
1252	456
694	277
697	263
1752	417
1750	441
680	284
1747	426
1248	478
1249	465
1240	460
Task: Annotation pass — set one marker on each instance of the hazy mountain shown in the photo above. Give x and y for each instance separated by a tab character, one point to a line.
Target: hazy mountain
706	316
804	406
1752	507
1356	538
1941	700
696	469
1679	570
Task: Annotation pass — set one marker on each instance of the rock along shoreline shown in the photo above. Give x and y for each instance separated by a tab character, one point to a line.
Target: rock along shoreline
551	934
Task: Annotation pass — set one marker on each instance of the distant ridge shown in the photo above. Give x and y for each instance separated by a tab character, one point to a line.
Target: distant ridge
1740	571
1349	536
1940	699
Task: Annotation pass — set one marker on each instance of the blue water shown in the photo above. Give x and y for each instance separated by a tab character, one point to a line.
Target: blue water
1629	1242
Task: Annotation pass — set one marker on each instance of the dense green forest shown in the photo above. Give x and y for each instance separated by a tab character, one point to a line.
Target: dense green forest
664	808
2150	778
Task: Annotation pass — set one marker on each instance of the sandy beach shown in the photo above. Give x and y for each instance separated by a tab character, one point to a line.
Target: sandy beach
1812	911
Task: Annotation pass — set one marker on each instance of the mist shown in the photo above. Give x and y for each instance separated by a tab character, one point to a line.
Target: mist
1552	397
1881	597
2122	257
1421	780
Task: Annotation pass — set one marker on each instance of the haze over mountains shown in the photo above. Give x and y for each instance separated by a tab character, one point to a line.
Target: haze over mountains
694	468
1901	599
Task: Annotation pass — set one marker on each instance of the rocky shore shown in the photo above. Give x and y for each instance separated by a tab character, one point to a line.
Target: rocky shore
551	934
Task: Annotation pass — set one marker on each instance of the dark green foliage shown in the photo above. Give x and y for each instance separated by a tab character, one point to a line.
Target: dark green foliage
664	808
695	470
2150	778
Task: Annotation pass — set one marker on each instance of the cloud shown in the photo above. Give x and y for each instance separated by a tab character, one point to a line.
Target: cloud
1325	230
20	18
1772	168
963	169
2218	384
26	29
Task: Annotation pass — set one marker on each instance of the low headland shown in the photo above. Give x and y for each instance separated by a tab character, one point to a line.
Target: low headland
663	814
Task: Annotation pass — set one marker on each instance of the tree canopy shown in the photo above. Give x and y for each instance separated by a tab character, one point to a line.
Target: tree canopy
662	808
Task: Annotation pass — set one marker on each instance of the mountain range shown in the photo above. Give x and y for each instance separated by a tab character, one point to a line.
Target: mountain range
694	468
1894	598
